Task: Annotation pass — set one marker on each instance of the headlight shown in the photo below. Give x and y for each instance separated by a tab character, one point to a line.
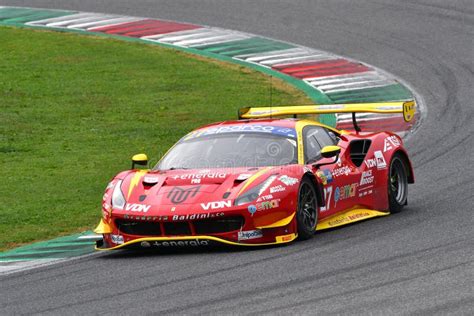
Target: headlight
254	193
118	200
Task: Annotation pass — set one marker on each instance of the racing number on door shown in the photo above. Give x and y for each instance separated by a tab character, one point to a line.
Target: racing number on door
327	198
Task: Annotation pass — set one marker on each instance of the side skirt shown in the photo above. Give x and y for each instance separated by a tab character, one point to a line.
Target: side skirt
348	217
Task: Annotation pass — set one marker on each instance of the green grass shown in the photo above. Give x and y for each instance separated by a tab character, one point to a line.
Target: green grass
74	109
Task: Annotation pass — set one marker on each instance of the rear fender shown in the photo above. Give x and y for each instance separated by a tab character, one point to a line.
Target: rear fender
404	155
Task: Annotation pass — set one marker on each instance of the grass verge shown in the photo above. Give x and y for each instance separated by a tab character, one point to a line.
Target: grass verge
74	109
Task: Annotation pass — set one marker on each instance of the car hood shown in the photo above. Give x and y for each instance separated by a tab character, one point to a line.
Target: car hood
205	187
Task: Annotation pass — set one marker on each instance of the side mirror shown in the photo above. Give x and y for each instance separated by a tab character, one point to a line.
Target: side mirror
139	159
328	152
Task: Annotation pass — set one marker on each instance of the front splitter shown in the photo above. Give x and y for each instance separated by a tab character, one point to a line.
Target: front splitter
189	241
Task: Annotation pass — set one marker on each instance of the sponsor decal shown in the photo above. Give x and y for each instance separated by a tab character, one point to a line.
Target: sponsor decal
343	170
213	175
327	199
105	197
288	181
380	160
216	205
196	216
244	128
345	192
277	188
366	178
134	207
195	181
117	239
252	209
178	195
389	142
180	243
250	234
347	219
325	176
370	163
204	171
266	184
365	193
268	205
265	198
286	237
146	218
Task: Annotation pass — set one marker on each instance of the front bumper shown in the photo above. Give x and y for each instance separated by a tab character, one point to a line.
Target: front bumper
280	231
188	241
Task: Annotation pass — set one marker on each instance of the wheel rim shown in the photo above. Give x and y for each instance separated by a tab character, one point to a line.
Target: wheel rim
398	182
307	206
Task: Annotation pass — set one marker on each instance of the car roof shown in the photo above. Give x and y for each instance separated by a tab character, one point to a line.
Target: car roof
279	122
288	123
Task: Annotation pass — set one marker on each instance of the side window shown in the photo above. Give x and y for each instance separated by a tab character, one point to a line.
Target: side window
315	138
327	137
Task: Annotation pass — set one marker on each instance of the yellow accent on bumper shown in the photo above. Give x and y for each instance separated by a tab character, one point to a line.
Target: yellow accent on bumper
278	240
103	228
282	222
348	217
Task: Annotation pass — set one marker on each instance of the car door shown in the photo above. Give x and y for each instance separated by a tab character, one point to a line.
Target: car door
339	179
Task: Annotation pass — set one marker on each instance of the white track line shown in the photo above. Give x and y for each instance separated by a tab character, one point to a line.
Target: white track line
44	22
103	23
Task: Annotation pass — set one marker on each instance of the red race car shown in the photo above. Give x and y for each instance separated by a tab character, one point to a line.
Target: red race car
259	180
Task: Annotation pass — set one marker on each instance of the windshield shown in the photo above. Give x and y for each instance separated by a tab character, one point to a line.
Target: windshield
231	150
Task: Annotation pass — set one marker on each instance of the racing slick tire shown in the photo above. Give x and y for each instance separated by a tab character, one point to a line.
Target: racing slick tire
397	184
307	212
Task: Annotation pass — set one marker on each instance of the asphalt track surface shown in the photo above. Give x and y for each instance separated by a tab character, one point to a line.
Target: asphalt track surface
418	261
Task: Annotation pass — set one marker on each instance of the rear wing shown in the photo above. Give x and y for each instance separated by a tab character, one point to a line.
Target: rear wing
408	108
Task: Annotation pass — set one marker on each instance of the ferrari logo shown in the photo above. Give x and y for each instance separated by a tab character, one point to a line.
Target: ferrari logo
178	195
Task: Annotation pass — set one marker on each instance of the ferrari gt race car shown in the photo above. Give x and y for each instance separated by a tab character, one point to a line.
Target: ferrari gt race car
259	180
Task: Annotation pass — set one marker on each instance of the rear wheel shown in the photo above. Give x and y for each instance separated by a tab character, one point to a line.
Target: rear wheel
307	213
397	184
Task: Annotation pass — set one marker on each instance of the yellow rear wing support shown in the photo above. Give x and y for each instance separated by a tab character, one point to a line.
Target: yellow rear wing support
408	108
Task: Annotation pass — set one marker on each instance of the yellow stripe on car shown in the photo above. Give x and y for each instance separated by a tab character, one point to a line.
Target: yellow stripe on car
135	180
252	179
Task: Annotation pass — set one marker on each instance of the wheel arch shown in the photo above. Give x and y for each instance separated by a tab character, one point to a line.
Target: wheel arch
406	160
317	186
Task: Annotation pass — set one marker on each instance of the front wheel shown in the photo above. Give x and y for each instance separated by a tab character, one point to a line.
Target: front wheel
397	184
307	213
